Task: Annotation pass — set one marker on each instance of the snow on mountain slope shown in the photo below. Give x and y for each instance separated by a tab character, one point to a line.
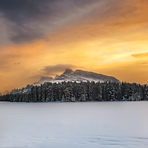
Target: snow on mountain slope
78	76
69	75
84	76
24	90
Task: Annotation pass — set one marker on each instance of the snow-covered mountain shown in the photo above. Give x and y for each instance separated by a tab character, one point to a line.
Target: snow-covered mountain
77	76
69	75
24	90
80	75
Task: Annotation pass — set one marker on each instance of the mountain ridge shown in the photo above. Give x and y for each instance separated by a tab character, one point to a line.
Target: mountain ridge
69	75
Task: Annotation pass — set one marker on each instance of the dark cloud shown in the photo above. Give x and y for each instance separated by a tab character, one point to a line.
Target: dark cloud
26	18
21	10
29	20
53	70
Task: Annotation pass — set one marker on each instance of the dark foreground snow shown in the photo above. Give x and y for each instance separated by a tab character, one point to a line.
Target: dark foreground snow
74	125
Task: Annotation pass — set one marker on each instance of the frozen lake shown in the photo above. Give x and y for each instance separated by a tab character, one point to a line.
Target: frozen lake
74	125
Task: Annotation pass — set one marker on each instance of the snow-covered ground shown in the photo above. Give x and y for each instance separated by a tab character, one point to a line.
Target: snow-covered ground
74	125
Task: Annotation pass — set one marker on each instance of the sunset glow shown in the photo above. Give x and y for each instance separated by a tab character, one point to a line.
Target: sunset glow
103	36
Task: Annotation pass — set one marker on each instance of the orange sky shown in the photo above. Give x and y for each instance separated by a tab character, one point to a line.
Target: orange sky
108	37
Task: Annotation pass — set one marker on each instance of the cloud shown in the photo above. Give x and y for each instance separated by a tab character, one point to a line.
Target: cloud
140	55
29	20
53	70
87	33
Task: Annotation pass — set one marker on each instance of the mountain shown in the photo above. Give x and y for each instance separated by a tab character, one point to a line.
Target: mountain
69	75
80	75
24	90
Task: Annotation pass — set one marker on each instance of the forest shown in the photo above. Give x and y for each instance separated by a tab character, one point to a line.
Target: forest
81	92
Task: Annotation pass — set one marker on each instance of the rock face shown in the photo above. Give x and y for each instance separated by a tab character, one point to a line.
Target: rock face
68	72
80	75
69	75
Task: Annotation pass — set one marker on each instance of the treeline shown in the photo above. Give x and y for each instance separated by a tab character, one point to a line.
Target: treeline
84	91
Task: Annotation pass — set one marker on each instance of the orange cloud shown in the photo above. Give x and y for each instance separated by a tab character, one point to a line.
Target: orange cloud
101	40
140	55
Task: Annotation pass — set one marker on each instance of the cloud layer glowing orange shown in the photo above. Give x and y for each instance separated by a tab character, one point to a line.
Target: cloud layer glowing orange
111	38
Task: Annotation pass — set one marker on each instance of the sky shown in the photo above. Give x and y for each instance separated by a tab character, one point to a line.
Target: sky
44	37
